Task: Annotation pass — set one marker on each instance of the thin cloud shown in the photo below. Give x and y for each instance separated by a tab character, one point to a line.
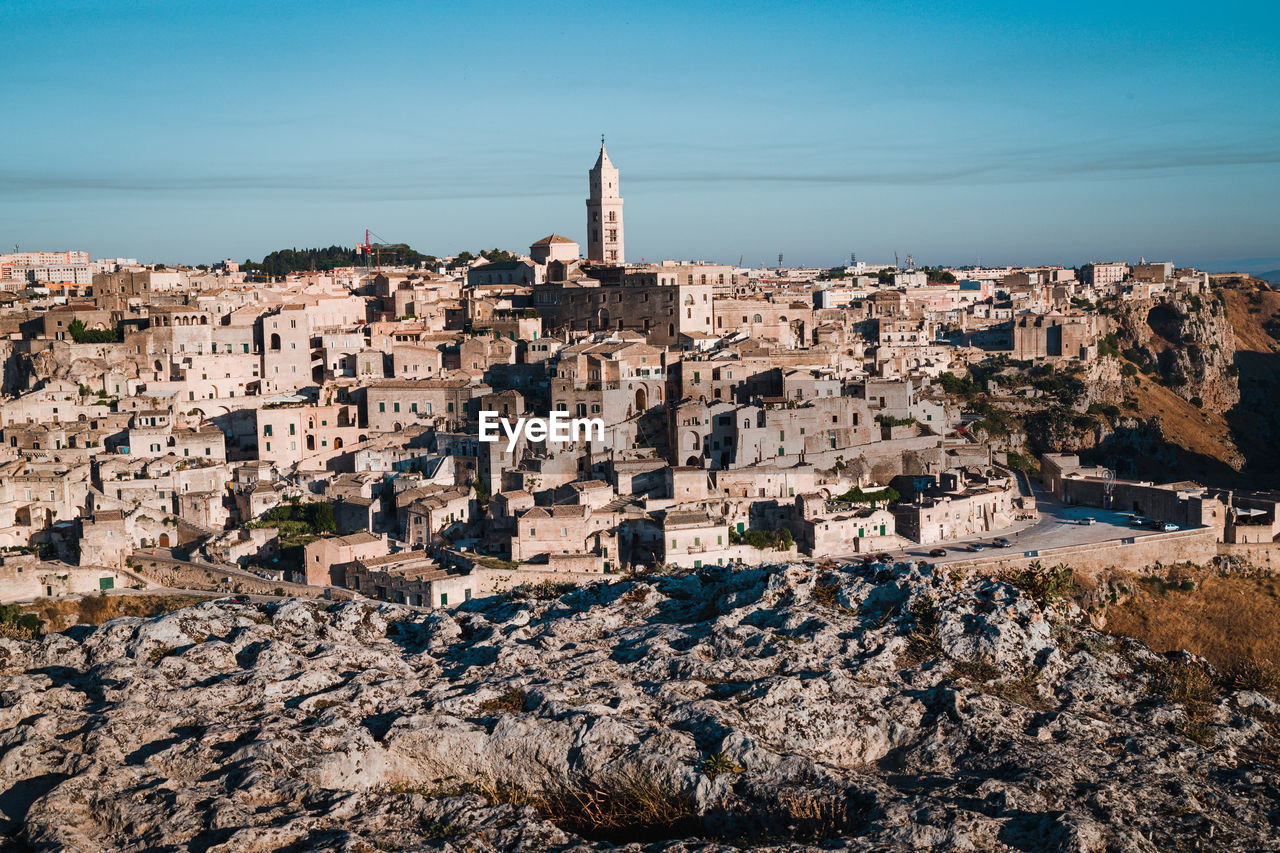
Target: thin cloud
968	163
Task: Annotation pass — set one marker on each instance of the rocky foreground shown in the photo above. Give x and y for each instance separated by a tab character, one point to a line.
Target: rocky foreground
781	709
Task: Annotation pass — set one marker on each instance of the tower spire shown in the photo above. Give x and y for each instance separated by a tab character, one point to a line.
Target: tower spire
604	212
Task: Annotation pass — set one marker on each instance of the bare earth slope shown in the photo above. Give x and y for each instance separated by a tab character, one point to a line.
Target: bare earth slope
779	708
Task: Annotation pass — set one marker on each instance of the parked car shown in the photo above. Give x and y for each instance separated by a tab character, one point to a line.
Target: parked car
1088	519
1002	543
884	558
938	552
977	546
1137	521
233	599
1169	527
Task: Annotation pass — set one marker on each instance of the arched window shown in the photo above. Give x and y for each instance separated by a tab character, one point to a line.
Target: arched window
757	319
275	341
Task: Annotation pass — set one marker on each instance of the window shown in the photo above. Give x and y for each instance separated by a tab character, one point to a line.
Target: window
444	599
382	407
266	430
673	543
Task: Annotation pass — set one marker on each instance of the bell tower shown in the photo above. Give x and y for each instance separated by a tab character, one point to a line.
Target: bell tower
604	213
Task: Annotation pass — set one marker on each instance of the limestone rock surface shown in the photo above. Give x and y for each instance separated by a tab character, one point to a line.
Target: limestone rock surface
783	709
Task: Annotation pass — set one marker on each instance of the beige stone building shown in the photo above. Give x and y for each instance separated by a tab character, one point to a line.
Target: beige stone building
325	561
605	241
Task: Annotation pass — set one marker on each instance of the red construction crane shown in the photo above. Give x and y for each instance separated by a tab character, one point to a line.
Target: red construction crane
368	247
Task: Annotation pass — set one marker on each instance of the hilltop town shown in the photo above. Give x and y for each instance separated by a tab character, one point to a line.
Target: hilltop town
240	429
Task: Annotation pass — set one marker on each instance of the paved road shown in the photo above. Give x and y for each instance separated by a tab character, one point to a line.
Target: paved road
1057	527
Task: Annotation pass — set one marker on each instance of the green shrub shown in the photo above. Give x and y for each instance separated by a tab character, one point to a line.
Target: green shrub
1045	586
714	765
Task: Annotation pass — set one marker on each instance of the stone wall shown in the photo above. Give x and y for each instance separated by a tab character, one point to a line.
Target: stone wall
1264	555
1130	554
180	575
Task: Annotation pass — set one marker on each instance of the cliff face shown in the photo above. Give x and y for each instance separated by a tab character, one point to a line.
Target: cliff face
1190	342
891	711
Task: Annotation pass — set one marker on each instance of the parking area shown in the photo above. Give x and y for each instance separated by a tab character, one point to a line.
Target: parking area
1059	526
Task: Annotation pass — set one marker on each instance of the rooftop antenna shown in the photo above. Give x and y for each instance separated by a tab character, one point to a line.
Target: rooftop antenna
779	261
897	265
911	262
740	257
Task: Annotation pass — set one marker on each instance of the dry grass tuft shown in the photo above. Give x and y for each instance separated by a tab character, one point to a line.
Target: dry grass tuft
15	631
923	643
816	815
637	594
62	613
1023	691
977	671
1191	686
1249	673
826	590
513	701
159	653
626	807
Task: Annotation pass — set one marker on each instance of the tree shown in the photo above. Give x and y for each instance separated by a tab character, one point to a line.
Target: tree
461	260
496	256
320	517
81	335
284	261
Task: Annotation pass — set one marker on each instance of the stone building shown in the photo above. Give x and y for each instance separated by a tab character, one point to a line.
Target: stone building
605	240
1055	335
325	560
825	527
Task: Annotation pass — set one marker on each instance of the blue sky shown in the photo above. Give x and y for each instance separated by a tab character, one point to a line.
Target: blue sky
1006	132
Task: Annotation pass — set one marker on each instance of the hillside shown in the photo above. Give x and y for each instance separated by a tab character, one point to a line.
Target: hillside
789	708
1204	402
1254	313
